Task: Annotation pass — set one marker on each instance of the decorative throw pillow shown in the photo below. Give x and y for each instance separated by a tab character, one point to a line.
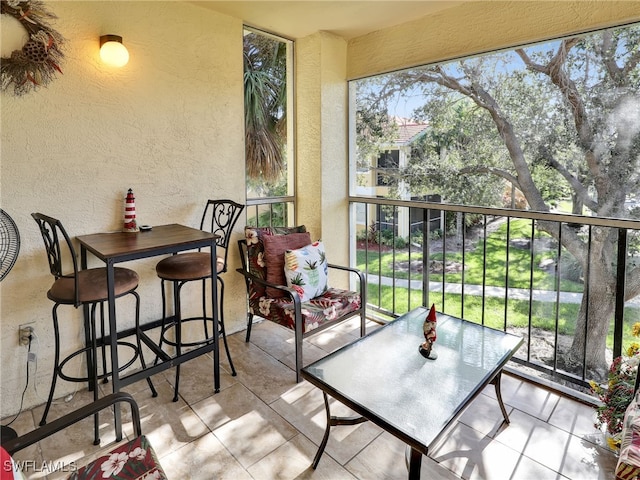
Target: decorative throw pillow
255	252
274	248
306	270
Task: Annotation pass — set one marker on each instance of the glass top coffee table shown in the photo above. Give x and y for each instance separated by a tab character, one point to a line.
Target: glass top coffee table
383	378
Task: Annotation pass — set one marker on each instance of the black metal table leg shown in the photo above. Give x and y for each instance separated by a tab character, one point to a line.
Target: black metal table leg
415	464
332	421
496	384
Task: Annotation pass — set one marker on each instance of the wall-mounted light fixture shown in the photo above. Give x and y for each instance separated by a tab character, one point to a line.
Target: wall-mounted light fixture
112	51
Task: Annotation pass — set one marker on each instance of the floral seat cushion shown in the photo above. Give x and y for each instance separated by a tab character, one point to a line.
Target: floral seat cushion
333	303
135	460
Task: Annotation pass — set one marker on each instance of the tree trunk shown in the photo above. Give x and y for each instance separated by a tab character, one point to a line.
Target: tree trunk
596	310
576	204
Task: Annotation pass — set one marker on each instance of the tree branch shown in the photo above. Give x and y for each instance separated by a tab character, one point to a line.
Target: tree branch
479	169
483	99
577	186
570	93
620	75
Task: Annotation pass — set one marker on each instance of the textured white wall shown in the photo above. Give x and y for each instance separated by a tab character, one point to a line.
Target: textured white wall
322	167
169	125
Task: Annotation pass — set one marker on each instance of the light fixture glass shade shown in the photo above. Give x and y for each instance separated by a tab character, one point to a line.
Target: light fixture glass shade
112	51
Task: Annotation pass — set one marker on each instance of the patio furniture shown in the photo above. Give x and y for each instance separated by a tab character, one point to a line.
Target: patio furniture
137	458
385	379
219	217
262	255
87	288
115	247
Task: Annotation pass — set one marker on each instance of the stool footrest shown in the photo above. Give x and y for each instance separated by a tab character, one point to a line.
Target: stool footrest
103	375
197	343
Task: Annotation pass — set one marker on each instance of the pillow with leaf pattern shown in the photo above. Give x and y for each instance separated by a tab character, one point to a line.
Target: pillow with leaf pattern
306	270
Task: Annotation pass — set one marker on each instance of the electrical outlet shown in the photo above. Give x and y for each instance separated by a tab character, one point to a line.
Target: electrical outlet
25	332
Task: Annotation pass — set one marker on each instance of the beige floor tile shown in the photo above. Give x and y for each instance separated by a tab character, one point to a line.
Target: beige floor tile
279	342
261	373
168	425
203	459
310	353
471	455
525	431
585	460
574	417
385	459
335	338
293	461
572	454
484	415
303	406
196	377
31	456
244	424
264	425
274	339
526	397
75	442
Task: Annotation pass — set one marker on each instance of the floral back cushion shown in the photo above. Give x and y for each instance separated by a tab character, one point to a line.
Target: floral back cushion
255	252
306	270
275	247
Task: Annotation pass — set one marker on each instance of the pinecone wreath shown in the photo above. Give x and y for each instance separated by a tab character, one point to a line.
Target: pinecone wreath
38	61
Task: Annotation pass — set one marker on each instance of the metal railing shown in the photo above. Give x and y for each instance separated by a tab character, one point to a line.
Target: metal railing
497	267
271	212
489	265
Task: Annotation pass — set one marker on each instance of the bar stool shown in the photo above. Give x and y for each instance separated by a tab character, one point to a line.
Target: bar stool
219	217
84	288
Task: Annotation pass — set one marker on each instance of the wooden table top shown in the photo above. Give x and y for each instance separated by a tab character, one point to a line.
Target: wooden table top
161	239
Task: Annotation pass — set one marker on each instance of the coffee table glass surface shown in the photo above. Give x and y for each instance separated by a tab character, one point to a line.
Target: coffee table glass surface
383	376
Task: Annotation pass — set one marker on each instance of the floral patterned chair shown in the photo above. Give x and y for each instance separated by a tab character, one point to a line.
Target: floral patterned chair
628	466
306	304
132	460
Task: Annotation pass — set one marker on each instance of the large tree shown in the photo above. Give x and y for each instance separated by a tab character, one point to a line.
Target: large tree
566	110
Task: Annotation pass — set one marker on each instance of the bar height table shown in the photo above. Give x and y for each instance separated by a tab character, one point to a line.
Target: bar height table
119	247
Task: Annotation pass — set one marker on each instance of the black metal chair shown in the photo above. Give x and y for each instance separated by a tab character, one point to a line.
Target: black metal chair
219	217
84	288
282	304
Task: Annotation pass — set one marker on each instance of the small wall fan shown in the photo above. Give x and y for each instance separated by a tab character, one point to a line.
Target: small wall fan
9	249
9	243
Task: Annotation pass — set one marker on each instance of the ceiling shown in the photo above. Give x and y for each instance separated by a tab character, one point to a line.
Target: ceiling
346	18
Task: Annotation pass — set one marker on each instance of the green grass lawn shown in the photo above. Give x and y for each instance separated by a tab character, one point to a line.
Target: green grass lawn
543	314
494	266
493	263
517	313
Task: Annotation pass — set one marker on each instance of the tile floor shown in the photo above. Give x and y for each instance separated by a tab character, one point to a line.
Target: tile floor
262	425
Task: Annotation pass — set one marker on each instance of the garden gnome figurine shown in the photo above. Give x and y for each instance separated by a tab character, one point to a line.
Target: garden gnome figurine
429	328
130	223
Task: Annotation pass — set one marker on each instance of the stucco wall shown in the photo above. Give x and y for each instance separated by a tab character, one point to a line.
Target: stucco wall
322	167
169	125
477	27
